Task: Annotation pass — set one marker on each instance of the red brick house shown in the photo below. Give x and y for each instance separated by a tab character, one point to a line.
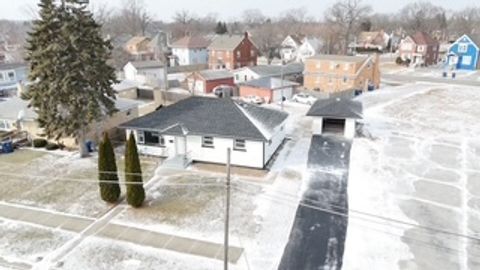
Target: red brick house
420	49
205	81
232	52
270	89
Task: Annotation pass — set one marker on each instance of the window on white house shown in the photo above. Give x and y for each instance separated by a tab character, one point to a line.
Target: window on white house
239	145
2	77
11	75
153	138
462	48
140	137
207	142
237	77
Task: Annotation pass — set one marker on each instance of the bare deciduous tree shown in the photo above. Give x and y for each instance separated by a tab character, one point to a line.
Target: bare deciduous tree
423	16
345	15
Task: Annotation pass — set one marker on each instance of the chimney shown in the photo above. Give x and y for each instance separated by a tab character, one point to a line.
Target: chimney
246	34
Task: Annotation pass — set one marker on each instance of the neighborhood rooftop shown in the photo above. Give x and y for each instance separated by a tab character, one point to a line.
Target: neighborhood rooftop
337	108
270	83
215	74
6	66
340	58
212	117
226	42
275	70
191	42
147	64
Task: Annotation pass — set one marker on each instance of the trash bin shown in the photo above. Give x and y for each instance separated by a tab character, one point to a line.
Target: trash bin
445	74
90	146
7	147
454	75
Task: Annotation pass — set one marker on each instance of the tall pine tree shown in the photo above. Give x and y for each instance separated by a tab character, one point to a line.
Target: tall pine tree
133	174
72	81
107	171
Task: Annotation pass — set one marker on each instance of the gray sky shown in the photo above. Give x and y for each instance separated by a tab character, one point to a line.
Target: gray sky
164	9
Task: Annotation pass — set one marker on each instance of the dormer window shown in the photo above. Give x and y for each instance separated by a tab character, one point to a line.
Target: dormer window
462	48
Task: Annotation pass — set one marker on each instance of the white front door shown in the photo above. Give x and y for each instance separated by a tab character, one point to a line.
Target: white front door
179	145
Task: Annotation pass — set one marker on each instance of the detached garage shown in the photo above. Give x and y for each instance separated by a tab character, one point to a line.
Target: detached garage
205	81
271	89
336	116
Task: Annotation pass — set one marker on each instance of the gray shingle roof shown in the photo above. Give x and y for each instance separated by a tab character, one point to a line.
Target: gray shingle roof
270	83
147	64
275	70
226	42
337	108
215	74
215	117
339	58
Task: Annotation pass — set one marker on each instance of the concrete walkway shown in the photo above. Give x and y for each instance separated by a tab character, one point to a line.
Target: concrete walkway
103	228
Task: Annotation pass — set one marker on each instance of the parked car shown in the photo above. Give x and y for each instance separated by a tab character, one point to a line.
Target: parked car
304	98
253	99
223	90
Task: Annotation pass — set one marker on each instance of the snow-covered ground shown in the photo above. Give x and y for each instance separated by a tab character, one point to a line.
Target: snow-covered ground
416	169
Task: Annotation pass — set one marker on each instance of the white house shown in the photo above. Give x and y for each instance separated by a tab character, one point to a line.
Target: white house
291	71
189	50
145	72
289	47
335	116
310	47
202	128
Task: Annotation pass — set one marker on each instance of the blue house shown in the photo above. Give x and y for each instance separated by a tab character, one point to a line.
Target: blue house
464	54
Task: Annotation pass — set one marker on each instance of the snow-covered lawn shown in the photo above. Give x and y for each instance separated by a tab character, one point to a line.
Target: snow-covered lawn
418	163
63	183
25	243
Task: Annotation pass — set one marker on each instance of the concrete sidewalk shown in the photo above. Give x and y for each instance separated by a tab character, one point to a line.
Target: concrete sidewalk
91	227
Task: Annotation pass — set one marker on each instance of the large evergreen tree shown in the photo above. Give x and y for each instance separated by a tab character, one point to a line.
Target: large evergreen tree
221	28
72	82
133	174
107	171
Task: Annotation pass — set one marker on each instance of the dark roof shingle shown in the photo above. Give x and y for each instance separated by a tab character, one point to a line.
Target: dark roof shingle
337	108
191	42
205	116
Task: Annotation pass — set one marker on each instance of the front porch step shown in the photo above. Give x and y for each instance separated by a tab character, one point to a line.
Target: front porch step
177	162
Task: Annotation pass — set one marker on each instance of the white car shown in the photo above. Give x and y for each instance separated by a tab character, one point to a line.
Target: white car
304	98
253	99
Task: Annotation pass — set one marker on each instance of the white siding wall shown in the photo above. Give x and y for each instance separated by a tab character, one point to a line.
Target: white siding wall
190	56
244	75
144	75
276	141
350	128
252	157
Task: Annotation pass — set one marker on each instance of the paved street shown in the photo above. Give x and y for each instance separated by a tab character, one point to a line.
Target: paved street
318	235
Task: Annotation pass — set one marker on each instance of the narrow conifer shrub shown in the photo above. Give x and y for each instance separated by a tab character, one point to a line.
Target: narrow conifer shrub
133	174
107	171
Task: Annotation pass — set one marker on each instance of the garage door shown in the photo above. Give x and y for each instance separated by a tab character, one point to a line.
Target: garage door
287	93
197	85
333	126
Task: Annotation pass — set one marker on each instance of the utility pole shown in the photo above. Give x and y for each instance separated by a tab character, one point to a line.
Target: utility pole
227	214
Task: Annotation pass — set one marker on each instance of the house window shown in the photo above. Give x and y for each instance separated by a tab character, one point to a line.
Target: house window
153	138
345	80
11	75
252	52
346	67
140	137
237	77
2	77
462	48
239	54
239	145
466	60
421	48
207	142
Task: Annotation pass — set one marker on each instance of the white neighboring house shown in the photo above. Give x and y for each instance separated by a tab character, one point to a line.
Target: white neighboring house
189	50
145	72
310	47
336	116
14	112
289	48
202	128
245	74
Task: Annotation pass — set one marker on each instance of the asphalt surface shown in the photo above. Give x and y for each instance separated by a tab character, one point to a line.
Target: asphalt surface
413	79
317	239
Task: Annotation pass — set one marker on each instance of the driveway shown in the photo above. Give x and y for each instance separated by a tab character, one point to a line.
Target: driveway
318	235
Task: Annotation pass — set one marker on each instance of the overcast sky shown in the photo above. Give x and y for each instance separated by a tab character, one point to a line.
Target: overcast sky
164	9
